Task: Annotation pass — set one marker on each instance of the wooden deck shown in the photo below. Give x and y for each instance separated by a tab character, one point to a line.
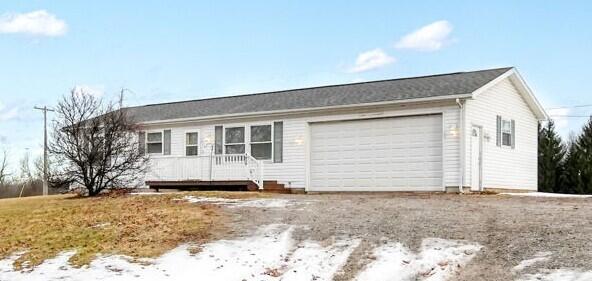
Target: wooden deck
268	186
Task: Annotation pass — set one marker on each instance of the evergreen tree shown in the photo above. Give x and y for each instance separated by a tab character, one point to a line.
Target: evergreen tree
570	180
584	151
550	158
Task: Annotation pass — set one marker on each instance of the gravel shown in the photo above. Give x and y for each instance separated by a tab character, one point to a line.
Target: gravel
511	229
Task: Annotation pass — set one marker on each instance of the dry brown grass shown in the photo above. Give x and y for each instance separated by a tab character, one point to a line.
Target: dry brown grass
137	226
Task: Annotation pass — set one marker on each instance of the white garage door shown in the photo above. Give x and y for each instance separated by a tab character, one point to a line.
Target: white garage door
389	154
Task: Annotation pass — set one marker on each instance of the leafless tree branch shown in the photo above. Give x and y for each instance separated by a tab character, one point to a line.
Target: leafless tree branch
96	144
4	168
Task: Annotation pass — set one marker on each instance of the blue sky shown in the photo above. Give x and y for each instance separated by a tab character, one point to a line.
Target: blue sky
175	50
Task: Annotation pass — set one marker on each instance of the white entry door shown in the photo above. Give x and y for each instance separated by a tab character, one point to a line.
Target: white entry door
387	154
476	158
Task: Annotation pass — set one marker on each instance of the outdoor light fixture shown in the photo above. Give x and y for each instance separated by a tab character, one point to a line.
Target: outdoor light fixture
453	131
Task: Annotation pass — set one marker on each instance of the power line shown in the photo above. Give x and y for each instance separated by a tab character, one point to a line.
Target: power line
576	116
572	106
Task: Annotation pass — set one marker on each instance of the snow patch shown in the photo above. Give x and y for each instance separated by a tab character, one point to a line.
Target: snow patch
271	254
240	203
549	195
558	274
439	259
562	274
538	257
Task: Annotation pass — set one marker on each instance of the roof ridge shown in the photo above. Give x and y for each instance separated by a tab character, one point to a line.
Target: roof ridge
323	86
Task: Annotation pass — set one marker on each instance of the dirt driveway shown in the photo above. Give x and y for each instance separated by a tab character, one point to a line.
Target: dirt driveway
510	229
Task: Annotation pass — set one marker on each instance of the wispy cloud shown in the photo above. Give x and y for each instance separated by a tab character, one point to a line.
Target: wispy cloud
39	23
372	59
96	91
431	37
559	116
7	113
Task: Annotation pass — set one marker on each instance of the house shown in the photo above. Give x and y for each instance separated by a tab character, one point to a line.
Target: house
470	130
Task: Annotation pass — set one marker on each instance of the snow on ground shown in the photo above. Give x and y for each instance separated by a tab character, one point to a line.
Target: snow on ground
271	254
238	203
562	274
439	259
538	257
558	274
545	194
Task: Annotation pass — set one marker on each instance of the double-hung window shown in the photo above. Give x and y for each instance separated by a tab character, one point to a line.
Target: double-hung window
261	144
234	140
191	143
506	132
154	143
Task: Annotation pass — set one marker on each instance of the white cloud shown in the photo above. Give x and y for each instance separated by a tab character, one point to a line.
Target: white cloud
371	60
95	91
431	37
7	113
39	23
558	116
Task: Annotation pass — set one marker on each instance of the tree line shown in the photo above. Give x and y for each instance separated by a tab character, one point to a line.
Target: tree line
26	179
565	166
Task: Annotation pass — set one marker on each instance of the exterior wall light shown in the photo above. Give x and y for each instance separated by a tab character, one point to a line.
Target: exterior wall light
453	131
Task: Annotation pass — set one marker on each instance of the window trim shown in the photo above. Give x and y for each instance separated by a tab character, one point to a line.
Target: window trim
262	142
196	145
244	143
504	131
147	132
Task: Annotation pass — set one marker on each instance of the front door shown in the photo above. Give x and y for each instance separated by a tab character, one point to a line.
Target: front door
476	158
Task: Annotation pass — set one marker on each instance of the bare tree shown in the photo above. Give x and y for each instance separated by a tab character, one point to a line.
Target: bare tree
38	168
25	167
4	168
95	144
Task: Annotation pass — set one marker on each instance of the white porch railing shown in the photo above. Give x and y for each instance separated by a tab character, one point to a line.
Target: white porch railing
230	167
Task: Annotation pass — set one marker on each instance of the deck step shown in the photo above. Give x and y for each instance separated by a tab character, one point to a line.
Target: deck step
274	187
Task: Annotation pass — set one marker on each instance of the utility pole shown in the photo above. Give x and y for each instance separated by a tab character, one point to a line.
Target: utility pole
45	109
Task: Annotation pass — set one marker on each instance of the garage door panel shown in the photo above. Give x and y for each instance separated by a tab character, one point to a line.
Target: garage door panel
402	153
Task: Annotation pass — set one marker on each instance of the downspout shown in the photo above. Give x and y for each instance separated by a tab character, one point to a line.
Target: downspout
461	134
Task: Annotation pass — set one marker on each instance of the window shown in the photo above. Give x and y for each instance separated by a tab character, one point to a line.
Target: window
234	140
261	142
191	143
154	142
506	133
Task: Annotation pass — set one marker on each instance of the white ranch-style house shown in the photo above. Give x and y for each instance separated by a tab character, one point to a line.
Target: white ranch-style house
469	130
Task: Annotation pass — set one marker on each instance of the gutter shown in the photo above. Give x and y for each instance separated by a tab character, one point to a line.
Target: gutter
287	112
461	134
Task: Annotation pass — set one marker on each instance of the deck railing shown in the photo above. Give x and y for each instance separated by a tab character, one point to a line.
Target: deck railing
227	167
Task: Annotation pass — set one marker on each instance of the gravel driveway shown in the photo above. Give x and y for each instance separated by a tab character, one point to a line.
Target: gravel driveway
511	229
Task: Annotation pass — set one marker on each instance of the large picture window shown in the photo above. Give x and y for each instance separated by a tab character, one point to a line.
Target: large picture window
234	140
191	143
154	143
261	145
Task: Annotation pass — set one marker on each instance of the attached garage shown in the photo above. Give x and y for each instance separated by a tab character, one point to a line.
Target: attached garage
386	154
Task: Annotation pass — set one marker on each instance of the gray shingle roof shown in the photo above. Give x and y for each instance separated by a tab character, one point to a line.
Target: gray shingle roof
348	94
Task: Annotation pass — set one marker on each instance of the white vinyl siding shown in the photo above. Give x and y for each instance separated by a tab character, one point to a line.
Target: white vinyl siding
292	171
504	166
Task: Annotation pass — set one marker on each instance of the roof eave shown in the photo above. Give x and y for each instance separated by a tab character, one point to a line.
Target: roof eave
523	88
304	110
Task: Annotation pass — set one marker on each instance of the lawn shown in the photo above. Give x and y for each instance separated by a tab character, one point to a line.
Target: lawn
133	225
